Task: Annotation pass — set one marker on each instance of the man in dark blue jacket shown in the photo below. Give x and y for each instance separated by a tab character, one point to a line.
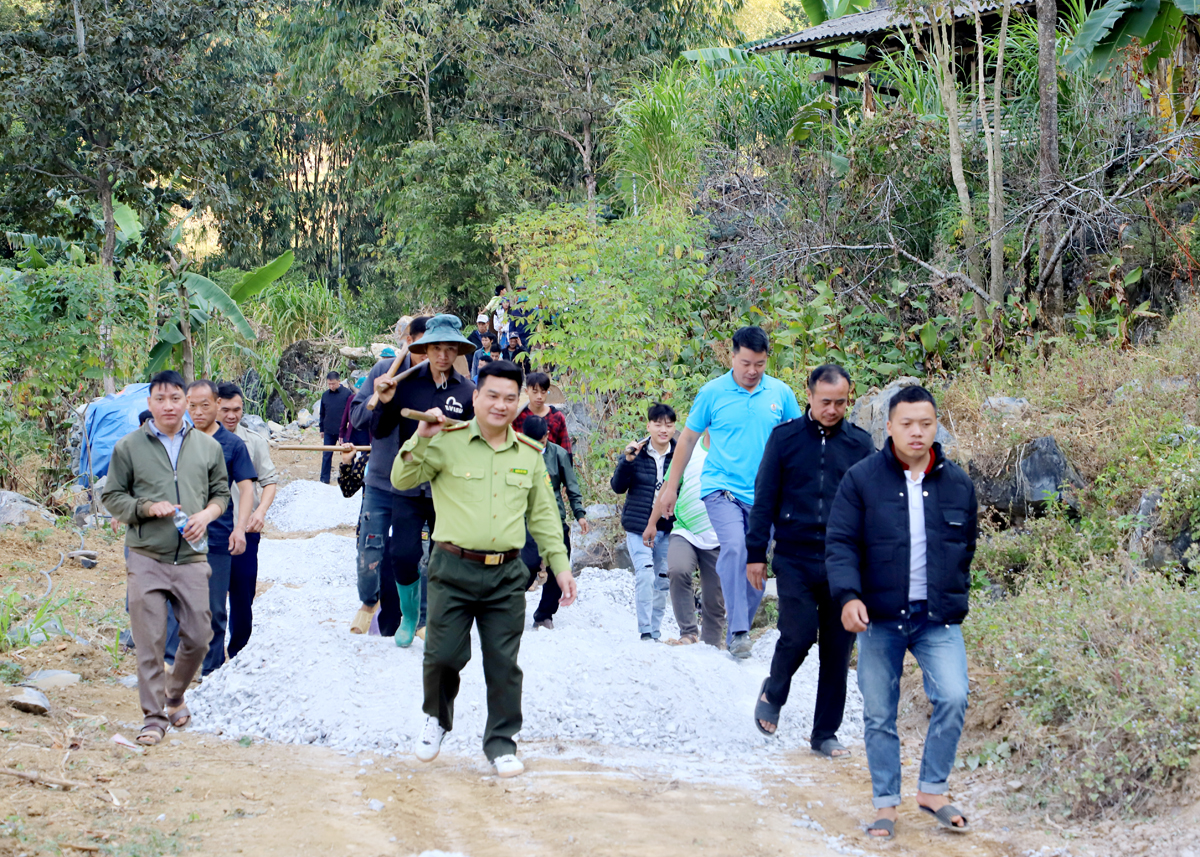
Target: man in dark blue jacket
801	468
898	551
640	473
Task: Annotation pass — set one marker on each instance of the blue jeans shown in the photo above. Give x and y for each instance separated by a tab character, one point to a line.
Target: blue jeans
729	517
650	581
940	652
218	590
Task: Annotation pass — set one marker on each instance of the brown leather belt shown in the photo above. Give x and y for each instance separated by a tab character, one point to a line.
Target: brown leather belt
484	557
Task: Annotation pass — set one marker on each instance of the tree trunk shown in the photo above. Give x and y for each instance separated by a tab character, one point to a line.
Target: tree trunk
1051	225
106	262
80	42
428	108
589	174
948	88
185	327
995	156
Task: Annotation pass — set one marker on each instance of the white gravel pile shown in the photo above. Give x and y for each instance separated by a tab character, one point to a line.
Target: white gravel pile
304	678
304	506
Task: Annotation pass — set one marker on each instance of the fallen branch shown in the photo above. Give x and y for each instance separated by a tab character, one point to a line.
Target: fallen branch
42	779
1170	235
943	276
1068	234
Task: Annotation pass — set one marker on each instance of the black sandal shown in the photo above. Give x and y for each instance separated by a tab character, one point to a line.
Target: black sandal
765	711
945	817
883	824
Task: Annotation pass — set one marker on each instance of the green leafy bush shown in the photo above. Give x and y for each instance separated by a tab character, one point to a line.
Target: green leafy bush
1098	670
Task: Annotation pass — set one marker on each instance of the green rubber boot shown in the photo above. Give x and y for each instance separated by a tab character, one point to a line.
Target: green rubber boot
410	611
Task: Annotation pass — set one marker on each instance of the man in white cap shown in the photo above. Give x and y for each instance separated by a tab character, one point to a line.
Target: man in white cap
481	327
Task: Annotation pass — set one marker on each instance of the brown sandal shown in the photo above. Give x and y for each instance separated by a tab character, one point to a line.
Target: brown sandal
181	717
684	640
151	735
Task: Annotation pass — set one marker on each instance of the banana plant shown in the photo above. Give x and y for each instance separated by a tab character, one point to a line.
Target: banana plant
200	299
1114	25
820	11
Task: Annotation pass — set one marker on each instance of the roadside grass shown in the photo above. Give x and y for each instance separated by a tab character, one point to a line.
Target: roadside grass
1096	673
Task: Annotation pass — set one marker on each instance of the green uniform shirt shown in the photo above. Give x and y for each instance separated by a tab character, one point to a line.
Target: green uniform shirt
483	497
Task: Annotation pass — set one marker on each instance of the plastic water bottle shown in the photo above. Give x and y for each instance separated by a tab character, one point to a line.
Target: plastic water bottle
201	544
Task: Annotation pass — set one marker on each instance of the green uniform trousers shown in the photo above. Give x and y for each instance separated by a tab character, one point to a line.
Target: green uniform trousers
492	596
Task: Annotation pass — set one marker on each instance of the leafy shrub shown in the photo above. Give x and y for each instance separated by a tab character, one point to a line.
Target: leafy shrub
1098	670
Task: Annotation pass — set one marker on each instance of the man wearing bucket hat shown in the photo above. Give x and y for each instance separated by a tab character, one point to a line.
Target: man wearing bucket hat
378	590
433	384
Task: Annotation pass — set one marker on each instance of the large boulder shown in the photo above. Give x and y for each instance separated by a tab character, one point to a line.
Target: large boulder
256	424
18	509
870	413
604	546
1034	474
302	369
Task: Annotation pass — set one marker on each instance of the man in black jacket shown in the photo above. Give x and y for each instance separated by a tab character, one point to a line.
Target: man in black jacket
333	404
801	468
898	551
640	473
433	384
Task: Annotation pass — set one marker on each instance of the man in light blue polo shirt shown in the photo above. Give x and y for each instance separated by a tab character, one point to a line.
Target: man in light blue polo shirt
739	410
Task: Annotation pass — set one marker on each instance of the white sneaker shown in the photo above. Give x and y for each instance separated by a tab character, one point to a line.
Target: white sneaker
430	743
508	766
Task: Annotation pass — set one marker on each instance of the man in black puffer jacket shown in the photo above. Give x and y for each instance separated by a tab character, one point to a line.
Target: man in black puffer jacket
640	473
898	551
801	468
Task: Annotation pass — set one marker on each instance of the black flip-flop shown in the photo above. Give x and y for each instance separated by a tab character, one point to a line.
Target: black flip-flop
765	711
826	748
945	815
882	824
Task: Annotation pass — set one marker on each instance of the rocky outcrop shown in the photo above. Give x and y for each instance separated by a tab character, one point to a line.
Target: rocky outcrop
1034	474
870	413
302	369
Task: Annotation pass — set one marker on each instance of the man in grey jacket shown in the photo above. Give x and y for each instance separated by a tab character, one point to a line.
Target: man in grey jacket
157	470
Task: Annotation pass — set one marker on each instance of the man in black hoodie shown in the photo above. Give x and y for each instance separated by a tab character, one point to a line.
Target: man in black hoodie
898	551
640	473
802	466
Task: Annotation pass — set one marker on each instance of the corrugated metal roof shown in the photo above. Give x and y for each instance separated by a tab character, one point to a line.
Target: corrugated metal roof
845	28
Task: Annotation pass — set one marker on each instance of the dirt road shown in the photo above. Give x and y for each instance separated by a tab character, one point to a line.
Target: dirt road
204	794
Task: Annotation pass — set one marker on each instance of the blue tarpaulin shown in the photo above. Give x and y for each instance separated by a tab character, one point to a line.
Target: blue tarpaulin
106	422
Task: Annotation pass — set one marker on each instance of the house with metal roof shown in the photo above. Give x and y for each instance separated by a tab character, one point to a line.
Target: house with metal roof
882	30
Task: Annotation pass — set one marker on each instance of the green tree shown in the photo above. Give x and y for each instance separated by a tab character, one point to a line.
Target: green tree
558	69
109	97
412	41
454	189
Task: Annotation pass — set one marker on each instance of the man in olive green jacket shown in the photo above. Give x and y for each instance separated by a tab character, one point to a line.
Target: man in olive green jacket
157	469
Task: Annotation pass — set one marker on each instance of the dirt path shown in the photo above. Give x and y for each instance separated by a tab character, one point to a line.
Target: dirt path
205	794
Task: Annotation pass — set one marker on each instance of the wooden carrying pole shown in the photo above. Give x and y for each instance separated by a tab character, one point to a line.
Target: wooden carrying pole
299	447
421	416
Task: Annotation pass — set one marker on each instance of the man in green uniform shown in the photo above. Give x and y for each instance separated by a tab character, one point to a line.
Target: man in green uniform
487	482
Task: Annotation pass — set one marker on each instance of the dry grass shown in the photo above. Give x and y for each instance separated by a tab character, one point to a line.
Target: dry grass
1105	407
